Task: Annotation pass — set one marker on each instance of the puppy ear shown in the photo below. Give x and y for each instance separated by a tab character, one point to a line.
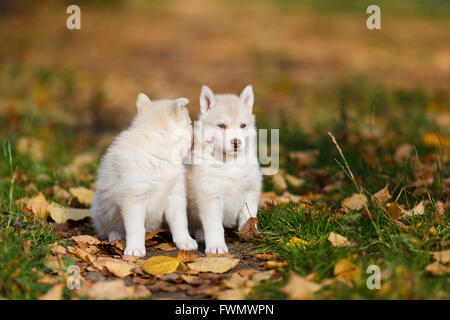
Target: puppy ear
247	97
142	101
207	99
178	105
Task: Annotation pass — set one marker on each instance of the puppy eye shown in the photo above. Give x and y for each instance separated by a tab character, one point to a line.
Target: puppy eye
221	125
243	125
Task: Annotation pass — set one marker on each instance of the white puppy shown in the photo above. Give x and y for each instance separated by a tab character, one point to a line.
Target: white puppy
224	179
141	179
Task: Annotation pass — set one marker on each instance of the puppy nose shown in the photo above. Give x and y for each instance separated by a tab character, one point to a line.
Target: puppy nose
236	143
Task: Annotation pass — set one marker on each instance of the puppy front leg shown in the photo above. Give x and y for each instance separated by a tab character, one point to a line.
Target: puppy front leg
176	217
250	208
211	214
134	222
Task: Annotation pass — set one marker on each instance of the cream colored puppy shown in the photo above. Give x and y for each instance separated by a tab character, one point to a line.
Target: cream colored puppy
224	179
141	179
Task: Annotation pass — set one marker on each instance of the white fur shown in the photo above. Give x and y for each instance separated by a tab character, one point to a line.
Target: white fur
224	182
141	179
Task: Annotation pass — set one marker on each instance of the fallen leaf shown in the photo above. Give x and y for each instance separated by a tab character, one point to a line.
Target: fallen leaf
345	269
417	210
381	196
215	265
235	281
86	239
38	205
32	147
233	294
55	293
298	288
83	195
436	140
304	158
294	181
355	202
82	254
297	242
162	265
266	256
402	226
437	269
260	276
166	247
442	256
62	215
249	229
110	290
279	183
394	210
439	206
227	254
186	256
403	153
338	241
120	269
276	264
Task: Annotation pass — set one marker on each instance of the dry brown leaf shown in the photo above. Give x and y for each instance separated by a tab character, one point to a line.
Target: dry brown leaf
417	210
166	247
276	264
56	265
304	158
403	153
260	276
57	249
227	254
294	181
338	241
355	202
266	256
437	269
298	288
213	264
442	256
38	205
439	208
249	229
233	294
154	234
119	268
394	210
60	194
82	254
345	269
62	215
186	256
55	293
32	147
279	183
235	281
83	195
381	196
86	239
402	226
110	290
162	265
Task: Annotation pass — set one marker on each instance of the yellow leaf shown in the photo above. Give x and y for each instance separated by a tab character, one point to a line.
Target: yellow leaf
162	265
213	264
436	140
337	240
297	242
83	195
345	269
298	287
166	246
62	215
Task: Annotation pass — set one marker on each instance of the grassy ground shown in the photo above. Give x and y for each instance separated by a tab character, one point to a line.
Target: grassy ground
52	112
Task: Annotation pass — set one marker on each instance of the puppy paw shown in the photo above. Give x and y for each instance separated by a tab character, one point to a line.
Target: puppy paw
134	251
114	236
217	249
187	244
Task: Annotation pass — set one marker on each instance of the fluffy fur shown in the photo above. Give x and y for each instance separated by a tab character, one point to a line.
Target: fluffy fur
141	179
224	179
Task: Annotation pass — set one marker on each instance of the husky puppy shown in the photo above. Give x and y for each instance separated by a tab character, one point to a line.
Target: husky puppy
141	179
224	179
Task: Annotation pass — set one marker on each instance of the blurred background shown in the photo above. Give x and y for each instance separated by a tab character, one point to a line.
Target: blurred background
314	65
